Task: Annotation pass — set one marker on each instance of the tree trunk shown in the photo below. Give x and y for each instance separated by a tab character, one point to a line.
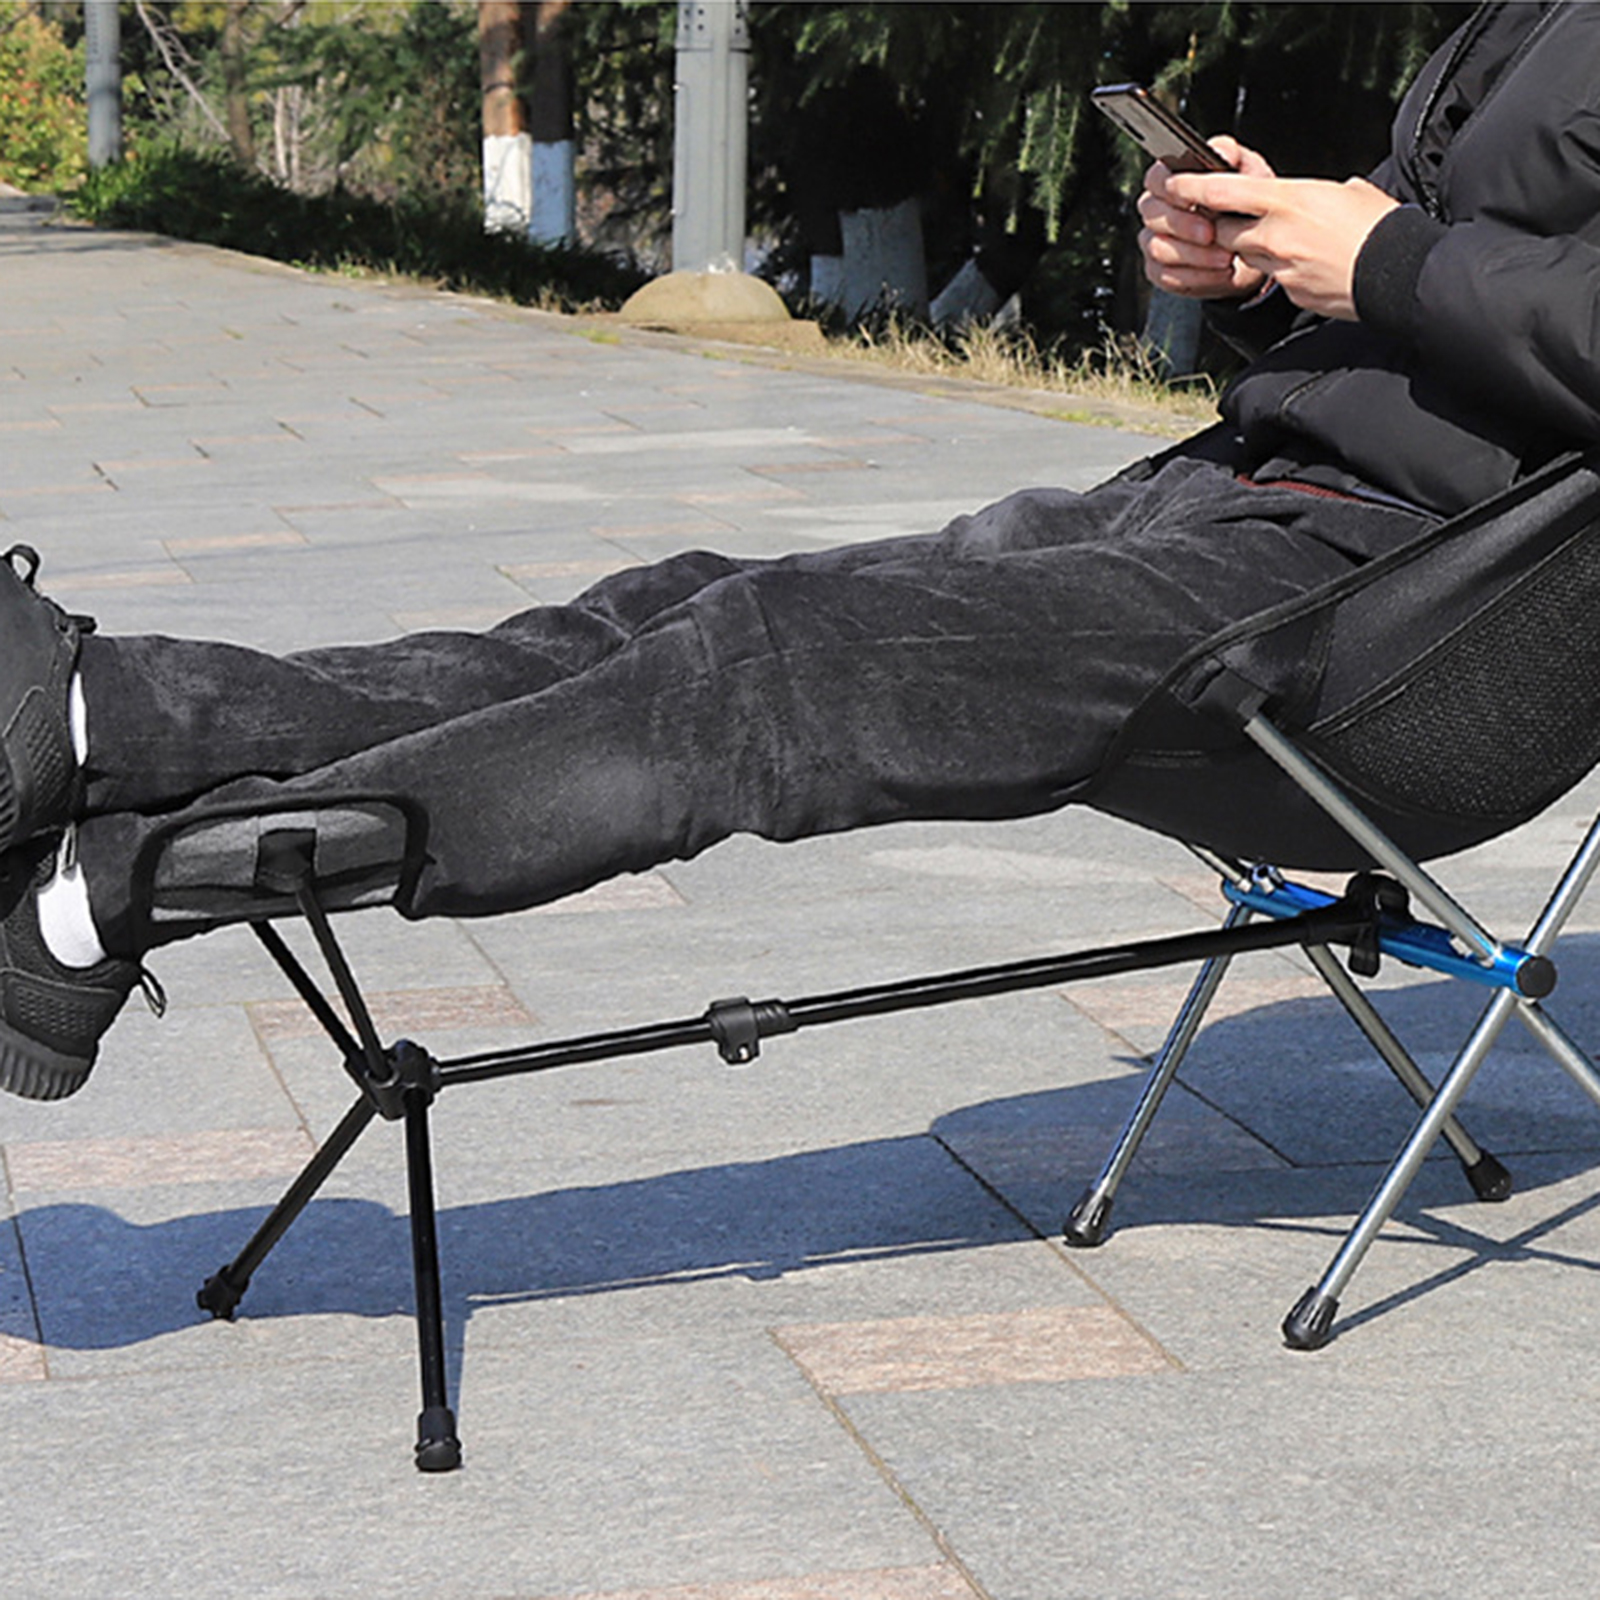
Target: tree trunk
507	174
286	139
241	138
553	219
883	260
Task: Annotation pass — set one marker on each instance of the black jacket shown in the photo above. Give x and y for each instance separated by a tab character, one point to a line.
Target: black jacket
1477	355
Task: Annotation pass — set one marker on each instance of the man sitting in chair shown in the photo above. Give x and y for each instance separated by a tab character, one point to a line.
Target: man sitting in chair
1422	340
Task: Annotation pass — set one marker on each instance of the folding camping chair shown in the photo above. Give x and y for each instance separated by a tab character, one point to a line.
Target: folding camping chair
1424	704
1427	702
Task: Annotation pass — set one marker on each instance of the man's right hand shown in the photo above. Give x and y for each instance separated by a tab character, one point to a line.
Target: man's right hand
1179	244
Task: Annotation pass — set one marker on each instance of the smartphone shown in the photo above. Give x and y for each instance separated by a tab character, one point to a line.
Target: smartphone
1164	134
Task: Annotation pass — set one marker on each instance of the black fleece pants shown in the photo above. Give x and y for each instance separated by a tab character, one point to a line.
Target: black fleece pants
978	672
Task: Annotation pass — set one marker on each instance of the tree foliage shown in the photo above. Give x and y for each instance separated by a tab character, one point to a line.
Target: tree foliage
397	97
43	129
977	108
622	61
1008	83
983	110
380	95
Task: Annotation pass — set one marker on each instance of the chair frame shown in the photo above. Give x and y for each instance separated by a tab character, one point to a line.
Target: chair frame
1261	891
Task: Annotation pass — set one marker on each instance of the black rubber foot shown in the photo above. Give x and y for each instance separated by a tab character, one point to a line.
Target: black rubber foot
220	1295
438	1449
1310	1325
1088	1221
1536	977
1489	1180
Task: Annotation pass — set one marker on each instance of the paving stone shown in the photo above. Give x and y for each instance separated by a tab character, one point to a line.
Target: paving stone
788	1332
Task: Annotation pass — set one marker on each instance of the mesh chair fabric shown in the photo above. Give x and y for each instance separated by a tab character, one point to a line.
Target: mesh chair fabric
1500	720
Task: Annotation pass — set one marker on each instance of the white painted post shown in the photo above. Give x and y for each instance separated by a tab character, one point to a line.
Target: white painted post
507	182
555	193
103	81
710	136
884	263
507	168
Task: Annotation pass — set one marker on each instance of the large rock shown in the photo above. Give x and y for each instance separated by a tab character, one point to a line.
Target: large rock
728	306
690	300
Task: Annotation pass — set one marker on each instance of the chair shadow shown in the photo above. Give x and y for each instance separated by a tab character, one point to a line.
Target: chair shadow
995	1172
105	1282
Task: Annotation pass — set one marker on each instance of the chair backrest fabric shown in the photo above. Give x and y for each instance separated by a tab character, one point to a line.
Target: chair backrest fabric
1452	687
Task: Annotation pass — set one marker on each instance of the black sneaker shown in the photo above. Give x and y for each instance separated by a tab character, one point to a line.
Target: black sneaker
51	1016
38	651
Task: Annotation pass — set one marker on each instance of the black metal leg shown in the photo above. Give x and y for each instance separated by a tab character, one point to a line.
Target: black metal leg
438	1448
397	1083
222	1292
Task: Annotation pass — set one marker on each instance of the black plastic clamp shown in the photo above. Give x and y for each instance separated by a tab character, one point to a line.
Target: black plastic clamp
410	1068
739	1025
1377	899
1232	697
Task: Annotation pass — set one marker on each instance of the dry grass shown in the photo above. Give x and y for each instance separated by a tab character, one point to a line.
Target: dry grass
1120	374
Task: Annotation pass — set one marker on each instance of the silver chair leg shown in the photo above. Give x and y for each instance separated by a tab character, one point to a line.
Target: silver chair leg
1088	1221
1489	1179
1423	887
1309	1324
1567	1055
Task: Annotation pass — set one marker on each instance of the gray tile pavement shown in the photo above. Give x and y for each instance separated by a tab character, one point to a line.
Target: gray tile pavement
794	1332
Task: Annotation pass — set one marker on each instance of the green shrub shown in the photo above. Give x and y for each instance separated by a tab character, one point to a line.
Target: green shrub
44	137
208	197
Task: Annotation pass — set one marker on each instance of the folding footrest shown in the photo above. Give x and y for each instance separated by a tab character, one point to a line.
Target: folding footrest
235	863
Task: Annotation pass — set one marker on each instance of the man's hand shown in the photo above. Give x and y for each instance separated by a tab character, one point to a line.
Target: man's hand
1304	232
1182	251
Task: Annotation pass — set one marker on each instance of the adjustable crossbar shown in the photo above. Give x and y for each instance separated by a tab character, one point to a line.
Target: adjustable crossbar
737	1026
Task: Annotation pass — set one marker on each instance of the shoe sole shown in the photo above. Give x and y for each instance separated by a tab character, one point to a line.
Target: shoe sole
36	1072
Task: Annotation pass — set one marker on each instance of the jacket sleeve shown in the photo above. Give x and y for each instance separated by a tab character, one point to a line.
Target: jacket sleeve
1509	317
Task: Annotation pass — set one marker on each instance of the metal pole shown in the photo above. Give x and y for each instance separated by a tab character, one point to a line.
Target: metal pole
710	136
103	81
438	1448
1088	1220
